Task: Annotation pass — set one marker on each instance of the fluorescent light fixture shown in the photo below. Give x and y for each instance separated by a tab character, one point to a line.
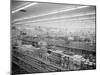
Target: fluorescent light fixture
63	17
53	12
24	7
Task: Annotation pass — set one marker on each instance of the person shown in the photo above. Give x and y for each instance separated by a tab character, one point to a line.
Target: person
64	61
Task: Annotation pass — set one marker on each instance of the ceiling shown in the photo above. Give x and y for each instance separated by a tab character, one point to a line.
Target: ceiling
36	12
